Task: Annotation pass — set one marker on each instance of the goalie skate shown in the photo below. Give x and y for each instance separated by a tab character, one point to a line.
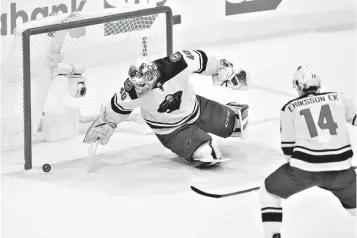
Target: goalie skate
206	164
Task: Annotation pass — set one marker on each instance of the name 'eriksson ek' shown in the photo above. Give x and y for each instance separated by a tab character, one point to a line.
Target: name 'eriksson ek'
312	100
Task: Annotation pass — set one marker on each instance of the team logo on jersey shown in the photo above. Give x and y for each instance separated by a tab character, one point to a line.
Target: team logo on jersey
171	103
128	85
175	57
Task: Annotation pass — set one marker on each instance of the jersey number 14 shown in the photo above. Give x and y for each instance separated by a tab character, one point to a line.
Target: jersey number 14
325	121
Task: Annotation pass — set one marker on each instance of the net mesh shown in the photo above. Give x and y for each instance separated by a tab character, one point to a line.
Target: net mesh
105	51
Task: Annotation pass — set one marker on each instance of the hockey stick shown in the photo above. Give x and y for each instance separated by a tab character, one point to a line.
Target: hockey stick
91	156
212	195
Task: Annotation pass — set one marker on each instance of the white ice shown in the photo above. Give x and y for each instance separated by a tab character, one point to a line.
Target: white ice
140	189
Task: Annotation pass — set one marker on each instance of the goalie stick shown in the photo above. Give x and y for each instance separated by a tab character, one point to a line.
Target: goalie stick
91	156
213	195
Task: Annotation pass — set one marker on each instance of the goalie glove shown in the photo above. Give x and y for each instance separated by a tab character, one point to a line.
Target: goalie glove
232	77
101	129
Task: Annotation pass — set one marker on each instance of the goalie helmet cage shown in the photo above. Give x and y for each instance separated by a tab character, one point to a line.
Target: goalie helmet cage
49	29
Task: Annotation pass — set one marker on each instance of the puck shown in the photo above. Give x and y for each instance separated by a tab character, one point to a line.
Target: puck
46	168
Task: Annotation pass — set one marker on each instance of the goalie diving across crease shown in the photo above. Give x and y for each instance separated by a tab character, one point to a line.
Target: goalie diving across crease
171	108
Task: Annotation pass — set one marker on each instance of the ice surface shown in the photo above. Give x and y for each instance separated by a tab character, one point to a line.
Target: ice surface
140	189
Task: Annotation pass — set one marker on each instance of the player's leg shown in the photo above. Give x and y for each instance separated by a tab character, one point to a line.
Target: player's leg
343	185
222	120
192	144
283	183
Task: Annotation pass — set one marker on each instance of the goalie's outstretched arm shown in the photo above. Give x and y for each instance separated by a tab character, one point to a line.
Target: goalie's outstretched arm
119	107
117	110
223	72
198	61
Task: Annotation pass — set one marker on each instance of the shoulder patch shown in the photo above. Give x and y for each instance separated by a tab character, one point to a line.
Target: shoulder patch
175	57
129	88
128	85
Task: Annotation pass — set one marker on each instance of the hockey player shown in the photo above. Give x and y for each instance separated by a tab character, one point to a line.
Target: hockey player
314	137
180	119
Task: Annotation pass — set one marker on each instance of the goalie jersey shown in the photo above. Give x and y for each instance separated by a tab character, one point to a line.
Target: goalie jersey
172	101
314	132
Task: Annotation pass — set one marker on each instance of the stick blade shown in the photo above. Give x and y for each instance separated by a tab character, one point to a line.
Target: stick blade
223	195
204	193
91	156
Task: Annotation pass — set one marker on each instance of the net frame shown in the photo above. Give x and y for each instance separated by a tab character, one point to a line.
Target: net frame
26	52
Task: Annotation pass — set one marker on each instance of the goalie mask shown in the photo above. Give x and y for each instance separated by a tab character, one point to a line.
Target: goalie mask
143	75
306	81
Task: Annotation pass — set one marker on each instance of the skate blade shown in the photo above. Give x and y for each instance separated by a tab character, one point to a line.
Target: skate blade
216	162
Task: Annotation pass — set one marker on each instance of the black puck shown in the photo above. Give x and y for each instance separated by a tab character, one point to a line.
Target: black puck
46	168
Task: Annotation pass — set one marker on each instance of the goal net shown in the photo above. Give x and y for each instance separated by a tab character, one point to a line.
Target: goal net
103	44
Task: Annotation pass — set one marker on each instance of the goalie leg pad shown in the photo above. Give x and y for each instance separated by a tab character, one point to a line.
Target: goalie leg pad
242	119
193	145
207	155
215	118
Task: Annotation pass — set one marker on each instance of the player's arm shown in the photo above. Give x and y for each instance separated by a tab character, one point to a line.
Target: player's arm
120	106
200	62
223	72
287	132
351	114
117	110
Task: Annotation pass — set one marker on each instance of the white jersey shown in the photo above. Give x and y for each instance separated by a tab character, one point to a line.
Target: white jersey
314	132
172	101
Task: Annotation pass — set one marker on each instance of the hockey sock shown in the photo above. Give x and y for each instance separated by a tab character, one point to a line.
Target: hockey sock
272	218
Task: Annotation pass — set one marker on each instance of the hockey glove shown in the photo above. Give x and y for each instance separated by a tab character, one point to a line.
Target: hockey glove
232	77
101	129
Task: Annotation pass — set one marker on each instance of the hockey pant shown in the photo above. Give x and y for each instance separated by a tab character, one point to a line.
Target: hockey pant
214	118
287	181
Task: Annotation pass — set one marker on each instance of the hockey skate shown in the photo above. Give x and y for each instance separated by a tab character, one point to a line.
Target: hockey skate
204	159
206	164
